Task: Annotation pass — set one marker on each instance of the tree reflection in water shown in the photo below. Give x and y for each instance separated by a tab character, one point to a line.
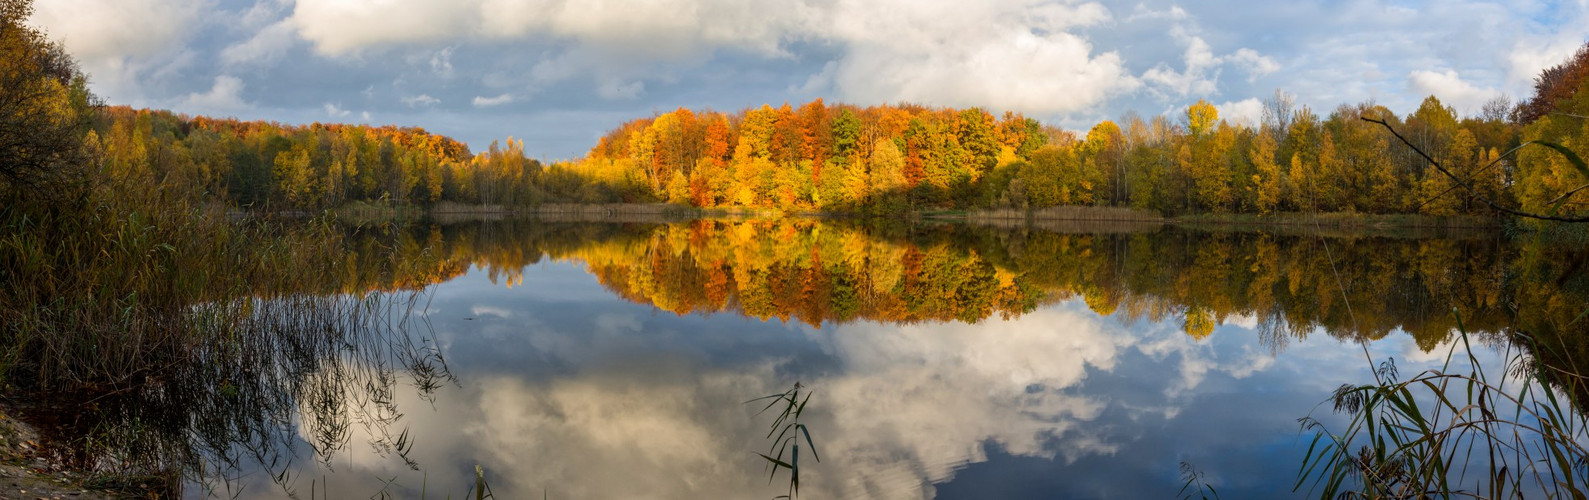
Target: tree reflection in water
306	372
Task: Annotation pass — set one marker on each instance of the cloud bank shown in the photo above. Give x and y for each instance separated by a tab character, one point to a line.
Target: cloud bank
494	68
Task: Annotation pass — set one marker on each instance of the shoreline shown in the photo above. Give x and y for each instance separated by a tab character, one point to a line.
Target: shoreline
25	472
1074	217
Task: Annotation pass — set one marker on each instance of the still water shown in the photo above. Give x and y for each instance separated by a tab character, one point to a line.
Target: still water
944	361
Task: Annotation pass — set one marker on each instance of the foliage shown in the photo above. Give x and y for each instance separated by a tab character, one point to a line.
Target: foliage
286	167
44	110
884	160
1553	85
875	159
1295	160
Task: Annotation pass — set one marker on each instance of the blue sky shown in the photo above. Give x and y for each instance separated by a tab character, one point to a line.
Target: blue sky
559	73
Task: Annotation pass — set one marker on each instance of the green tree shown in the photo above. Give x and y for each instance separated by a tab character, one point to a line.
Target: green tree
974	133
295	178
846	135
45	108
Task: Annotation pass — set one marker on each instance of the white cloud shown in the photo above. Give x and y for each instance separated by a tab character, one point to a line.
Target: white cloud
1451	89
222	98
655	29
487	102
1003	55
1010	54
1537	49
441	63
1257	65
1201	68
1195	79
114	29
268	45
1247	112
335	111
1142	12
422	100
339	27
125	46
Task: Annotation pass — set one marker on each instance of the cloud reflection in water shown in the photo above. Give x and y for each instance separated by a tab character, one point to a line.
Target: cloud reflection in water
601	398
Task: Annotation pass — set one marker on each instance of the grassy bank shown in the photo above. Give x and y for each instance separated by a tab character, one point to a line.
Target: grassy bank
614	212
1349	225
1059	218
1069	213
362	213
1066	219
1342	220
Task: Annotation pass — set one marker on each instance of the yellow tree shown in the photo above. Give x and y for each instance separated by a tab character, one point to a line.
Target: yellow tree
1302	188
1369	182
1103	153
45	106
295	179
1266	181
1205	156
1463	158
1332	175
887	168
678	188
1201	118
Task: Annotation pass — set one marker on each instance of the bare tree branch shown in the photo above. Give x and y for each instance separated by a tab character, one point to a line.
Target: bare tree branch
1469	187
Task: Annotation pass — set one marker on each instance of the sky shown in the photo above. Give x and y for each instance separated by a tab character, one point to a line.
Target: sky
557	74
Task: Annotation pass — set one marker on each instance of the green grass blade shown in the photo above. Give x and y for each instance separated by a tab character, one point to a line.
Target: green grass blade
813	446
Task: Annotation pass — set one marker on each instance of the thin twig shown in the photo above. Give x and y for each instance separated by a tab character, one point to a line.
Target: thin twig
1487	201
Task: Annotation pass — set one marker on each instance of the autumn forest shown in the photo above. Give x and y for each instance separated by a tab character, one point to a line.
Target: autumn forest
894	159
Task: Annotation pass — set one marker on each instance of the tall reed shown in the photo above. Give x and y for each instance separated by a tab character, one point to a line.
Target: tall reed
1455	431
147	332
789	431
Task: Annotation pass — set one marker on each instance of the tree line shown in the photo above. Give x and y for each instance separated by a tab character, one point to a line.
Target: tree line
896	158
887	159
271	165
892	158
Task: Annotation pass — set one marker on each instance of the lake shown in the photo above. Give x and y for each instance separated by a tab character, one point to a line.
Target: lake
614	360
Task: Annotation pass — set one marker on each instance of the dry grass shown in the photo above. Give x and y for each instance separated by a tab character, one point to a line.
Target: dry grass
613	212
1068	212
146	333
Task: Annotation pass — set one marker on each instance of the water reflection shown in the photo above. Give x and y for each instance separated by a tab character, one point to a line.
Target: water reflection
608	399
1358	288
611	361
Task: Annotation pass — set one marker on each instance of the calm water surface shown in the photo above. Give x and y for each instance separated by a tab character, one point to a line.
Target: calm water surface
613	361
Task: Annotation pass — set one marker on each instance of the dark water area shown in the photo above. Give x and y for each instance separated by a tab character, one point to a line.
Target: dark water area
583	360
